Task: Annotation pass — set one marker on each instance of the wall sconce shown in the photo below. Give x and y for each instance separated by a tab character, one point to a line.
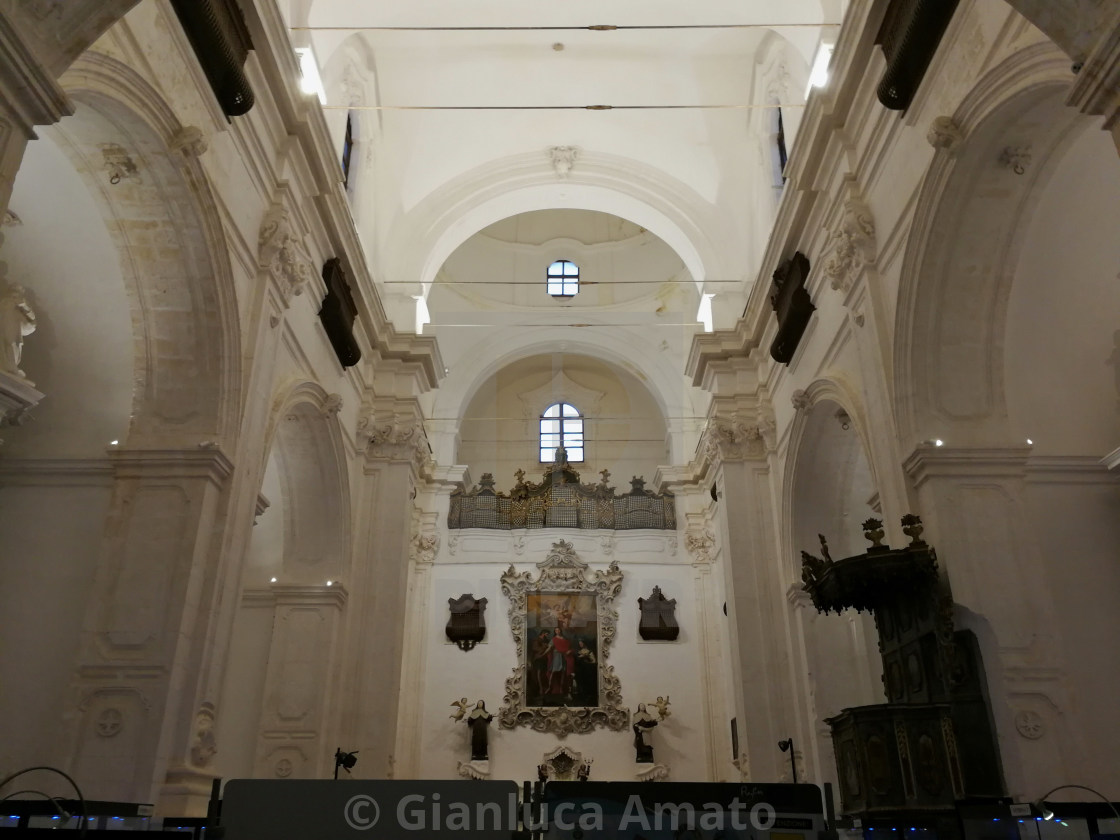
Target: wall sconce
844	419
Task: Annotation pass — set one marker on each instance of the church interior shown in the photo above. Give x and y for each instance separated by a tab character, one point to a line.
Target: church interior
641	391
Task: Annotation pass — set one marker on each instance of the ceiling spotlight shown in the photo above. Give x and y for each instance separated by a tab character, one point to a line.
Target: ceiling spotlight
1030	442
330	583
114	442
273	580
939	442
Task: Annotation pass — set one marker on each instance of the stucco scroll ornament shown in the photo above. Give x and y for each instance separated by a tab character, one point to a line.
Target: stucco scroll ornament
564	577
563	158
732	438
283	254
700	542
204	746
424	548
393	438
853	245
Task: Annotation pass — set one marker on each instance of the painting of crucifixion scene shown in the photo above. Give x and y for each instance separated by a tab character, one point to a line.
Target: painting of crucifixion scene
562	649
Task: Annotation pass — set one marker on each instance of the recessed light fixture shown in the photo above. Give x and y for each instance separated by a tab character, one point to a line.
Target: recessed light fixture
273	580
939	442
114	442
330	583
1030	442
558	47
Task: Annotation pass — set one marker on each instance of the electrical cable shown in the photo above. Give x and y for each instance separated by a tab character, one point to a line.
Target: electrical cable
82	823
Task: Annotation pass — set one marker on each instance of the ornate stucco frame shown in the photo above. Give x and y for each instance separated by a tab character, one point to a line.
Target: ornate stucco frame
563	571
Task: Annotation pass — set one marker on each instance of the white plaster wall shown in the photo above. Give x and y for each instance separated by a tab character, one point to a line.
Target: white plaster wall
624	430
1062	351
81	353
646	669
54	531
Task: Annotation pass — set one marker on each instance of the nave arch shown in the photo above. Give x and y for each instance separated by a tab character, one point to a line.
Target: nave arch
1006	352
829	490
280	697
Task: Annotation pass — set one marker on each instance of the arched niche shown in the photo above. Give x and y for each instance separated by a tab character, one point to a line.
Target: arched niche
156	275
300	542
1007	343
678	402
624	429
830	491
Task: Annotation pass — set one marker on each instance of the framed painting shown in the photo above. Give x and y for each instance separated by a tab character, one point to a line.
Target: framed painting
563	621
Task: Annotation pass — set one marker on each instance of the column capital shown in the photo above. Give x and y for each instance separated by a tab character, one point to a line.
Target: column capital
739	436
393	430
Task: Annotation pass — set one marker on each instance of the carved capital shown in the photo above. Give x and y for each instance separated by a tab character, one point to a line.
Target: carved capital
800	400
700	543
424	548
283	254
945	134
733	438
853	245
393	437
203	743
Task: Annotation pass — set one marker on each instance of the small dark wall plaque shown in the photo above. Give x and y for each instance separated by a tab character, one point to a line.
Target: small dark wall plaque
467	625
792	306
658	622
338	313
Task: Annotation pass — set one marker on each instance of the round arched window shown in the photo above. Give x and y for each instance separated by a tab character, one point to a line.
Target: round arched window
561	423
562	279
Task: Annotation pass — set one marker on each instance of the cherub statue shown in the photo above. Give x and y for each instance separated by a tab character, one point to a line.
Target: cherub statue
462	706
662	704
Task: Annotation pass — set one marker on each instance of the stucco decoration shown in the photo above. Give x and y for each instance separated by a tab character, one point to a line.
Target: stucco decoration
945	134
282	252
392	437
853	246
563	573
204	744
700	542
563	158
189	140
733	438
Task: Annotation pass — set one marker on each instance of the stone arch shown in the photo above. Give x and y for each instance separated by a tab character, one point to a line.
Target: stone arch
446	218
160	213
946	301
829	488
1006	320
666	384
307	444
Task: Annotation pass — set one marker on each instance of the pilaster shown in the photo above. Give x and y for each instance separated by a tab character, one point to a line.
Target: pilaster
138	661
296	737
395	445
1018	559
739	447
